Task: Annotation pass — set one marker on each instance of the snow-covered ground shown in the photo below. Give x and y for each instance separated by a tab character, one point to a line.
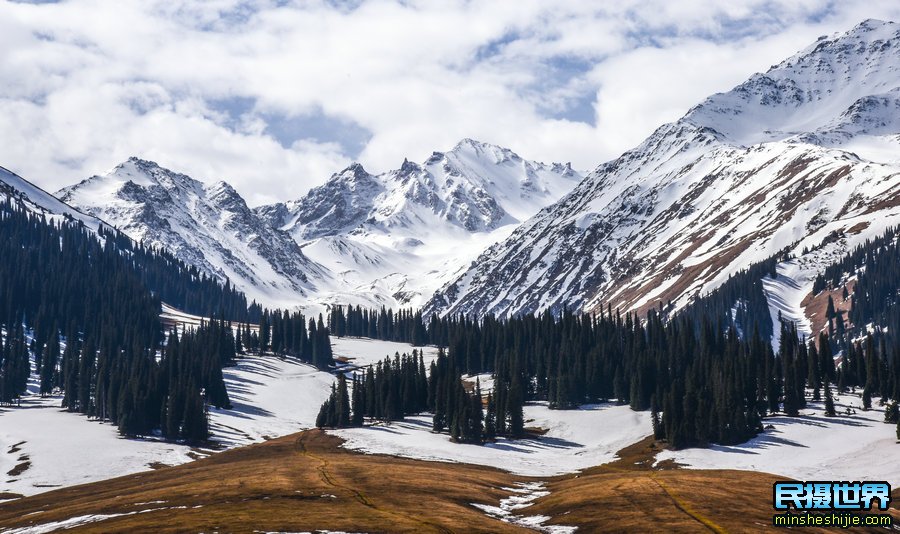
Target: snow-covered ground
785	295
65	449
362	351
575	439
523	496
274	396
811	446
271	397
485	381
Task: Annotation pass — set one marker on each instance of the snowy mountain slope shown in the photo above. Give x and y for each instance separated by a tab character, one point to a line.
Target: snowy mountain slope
741	176
209	226
392	239
39	201
831	79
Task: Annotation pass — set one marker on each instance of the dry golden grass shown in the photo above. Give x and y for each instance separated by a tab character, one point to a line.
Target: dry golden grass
306	482
296	483
629	495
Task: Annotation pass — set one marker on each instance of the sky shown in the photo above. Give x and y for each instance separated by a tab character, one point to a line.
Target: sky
275	96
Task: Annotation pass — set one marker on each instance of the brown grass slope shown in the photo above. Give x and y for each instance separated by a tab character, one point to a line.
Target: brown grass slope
296	483
306	482
629	495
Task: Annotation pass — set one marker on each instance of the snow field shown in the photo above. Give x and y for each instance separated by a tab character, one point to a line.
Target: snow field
811	446
363	351
66	449
271	397
575	440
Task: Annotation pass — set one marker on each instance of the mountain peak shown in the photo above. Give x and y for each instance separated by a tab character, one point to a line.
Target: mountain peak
353	171
729	184
408	167
494	153
468	142
808	90
872	24
145	173
208	226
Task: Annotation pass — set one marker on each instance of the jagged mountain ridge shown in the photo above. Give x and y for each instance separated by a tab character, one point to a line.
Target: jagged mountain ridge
393	238
208	226
740	176
388	239
476	186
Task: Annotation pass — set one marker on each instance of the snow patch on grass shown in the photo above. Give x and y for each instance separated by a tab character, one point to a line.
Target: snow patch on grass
524	495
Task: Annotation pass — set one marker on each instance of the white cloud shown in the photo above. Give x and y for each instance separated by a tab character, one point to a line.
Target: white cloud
86	83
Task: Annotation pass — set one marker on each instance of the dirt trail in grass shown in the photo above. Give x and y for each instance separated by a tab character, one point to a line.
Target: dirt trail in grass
360	497
686	508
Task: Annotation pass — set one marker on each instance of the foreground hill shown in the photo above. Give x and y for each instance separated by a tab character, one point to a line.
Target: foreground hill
306	482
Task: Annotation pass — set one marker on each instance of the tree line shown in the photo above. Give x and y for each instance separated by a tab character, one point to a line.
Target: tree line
289	333
405	326
395	388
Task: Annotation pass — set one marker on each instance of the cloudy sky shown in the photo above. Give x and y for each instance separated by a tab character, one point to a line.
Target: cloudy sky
274	97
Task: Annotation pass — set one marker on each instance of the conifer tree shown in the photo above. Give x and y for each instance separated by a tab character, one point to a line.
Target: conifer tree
342	408
490	424
829	402
892	413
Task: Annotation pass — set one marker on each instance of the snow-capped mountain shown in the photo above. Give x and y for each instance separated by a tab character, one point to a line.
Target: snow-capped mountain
35	199
803	156
209	226
392	239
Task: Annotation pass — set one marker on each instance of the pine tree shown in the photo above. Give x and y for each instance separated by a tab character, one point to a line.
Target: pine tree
358	402
515	408
829	402
892	413
490	421
343	403
658	430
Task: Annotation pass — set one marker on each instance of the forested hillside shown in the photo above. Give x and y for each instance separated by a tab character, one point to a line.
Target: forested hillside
708	373
80	310
866	337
